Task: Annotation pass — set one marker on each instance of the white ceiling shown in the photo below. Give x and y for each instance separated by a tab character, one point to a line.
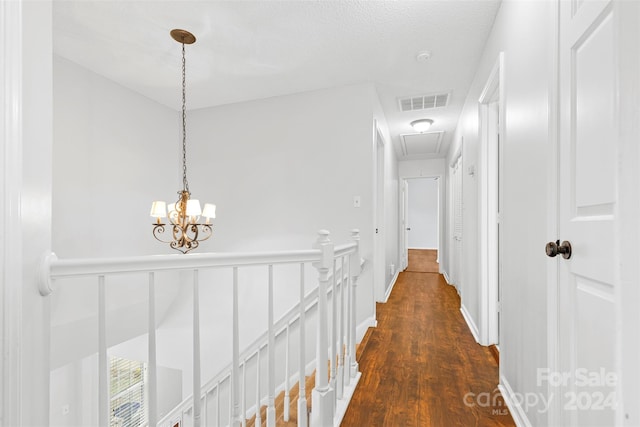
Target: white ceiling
249	50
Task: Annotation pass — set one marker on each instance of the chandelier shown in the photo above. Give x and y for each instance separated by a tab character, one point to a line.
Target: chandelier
184	215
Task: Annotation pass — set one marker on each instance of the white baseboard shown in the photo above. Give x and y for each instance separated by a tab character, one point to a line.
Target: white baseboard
343	404
470	323
513	403
446	277
393	283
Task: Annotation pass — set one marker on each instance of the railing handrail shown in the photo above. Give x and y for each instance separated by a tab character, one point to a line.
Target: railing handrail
54	268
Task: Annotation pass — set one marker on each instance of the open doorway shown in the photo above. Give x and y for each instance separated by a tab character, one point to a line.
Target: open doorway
421	222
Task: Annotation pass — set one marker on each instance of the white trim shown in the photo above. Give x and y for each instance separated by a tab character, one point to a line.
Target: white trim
441	214
393	283
627	235
488	197
513	403
553	168
446	278
343	404
11	182
470	323
424	249
379	270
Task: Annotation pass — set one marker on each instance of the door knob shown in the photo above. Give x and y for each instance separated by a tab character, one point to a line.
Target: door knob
408	229
555	248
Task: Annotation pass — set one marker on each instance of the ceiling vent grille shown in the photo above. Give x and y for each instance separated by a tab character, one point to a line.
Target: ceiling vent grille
424	102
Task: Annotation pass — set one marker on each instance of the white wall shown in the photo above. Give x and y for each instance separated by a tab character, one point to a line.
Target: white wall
280	169
114	153
521	31
423	213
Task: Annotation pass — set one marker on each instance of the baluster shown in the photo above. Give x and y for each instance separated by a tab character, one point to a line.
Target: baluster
205	410
340	373
287	398
235	384
152	414
302	394
196	350
218	403
355	272
322	395
348	355
334	331
103	367
258	422
271	383
244	393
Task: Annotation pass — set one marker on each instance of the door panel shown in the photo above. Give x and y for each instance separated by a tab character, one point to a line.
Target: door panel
588	148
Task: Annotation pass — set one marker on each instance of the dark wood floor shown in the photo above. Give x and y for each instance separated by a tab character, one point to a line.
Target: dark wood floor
421	365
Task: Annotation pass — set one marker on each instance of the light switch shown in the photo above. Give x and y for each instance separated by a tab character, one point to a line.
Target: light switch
356	201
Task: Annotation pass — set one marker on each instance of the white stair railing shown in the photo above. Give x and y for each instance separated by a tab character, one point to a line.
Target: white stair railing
335	363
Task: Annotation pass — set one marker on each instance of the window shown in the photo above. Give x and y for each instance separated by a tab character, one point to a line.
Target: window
127	393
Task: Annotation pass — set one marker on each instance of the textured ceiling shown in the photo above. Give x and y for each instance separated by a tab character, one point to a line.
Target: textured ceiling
256	49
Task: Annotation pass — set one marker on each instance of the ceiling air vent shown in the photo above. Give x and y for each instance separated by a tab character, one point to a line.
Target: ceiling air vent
417	144
424	102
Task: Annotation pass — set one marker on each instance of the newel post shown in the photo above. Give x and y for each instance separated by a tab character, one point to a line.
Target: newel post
322	398
355	273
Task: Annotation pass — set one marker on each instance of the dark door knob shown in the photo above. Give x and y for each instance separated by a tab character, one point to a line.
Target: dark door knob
555	248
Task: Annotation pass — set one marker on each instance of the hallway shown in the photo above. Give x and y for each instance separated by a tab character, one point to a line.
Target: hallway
421	365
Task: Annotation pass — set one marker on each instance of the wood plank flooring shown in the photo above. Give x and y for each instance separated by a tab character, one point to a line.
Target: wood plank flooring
421	365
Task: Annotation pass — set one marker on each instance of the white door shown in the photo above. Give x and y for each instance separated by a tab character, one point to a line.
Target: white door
588	214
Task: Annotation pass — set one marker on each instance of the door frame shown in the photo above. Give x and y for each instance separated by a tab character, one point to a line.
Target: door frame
441	214
489	196
379	235
454	260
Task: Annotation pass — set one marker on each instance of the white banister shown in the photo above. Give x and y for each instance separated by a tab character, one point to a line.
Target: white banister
244	393
348	354
334	331
60	268
196	350
235	364
322	409
287	399
302	394
103	366
152	409
340	373
218	404
333	386
271	350
258	422
355	273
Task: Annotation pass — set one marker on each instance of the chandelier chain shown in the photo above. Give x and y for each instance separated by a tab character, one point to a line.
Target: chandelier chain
185	183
